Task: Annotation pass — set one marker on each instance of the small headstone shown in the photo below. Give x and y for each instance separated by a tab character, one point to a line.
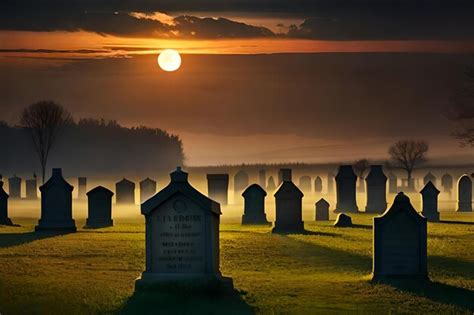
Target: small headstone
305	183
343	220
125	192
429	178
400	243
376	190
4	219
271	184
430	202
318	185
330	183
288	202
147	189
241	181
14	187
254	205
262	178
56	204
31	189
99	207
217	187
392	183
447	183
322	210
464	194
182	237
346	190
82	187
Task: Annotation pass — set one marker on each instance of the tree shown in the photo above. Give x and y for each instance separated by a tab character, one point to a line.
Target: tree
462	109
408	154
44	120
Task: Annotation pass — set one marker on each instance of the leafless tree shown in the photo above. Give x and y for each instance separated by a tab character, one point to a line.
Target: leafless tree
462	109
44	120
408	154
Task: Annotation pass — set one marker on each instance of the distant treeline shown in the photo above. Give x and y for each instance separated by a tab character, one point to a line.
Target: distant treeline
93	147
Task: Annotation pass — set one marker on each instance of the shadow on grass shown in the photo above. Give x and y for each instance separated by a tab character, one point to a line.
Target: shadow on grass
457	222
305	232
462	268
15	239
362	226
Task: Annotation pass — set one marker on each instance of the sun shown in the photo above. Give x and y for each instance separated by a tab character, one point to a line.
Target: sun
169	60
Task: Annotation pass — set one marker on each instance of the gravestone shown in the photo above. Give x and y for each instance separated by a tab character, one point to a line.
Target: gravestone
288	205
147	189
346	190
125	192
4	219
330	183
14	187
217	187
429	203
181	237
254	205
262	178
271	184
305	183
280	179
31	189
322	210
343	220
99	202
400	246
241	181
318	185
447	183
56	204
464	194
392	183
376	182
81	187
429	178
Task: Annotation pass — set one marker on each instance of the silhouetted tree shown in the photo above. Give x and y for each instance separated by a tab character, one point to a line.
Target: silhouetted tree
408	154
462	109
44	120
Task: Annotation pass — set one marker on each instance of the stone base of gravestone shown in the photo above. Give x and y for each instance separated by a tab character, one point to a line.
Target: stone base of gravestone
343	220
99	223
183	282
260	219
6	221
289	228
50	225
464	207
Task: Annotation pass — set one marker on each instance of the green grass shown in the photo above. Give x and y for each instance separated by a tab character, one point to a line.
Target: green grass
324	271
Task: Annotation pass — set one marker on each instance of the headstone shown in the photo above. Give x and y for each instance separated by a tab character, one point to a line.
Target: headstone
254	205
330	183
280	178
147	189
31	189
82	187
430	202
99	207
262	178
392	183
271	184
305	183
4	219
343	220
346	190
285	174
56	204
400	246
125	192
429	178
217	187
318	185
14	187
288	202
447	183
376	190
322	210
241	181
464	194
181	237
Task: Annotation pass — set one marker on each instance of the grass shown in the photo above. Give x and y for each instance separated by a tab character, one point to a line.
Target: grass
324	271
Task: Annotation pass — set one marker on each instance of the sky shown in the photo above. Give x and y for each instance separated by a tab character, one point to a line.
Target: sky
261	81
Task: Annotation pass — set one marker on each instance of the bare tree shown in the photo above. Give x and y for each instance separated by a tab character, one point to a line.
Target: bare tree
44	120
462	109
408	154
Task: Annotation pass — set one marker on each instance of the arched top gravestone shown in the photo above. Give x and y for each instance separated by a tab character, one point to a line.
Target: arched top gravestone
305	183
241	181
318	184
464	194
147	189
346	189
99	207
254	205
376	183
447	182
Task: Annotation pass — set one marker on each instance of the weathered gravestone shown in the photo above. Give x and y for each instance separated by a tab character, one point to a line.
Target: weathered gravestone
305	183
343	220
241	181
14	187
429	178
254	205
262	178
4	219
81	187
99	202
271	184
125	192
31	189
181	237
392	183
447	183
56	204
288	205
429	204
147	189
376	182
464	194
322	210
346	190
217	187
400	243
318	185
330	179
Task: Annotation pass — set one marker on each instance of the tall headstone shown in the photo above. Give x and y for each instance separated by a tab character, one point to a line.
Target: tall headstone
82	187
305	183
271	184
346	190
125	192
4	219
447	183
147	189
262	178
99	202
400	246
14	187
217	187
376	182
288	202
429	203
322	210
330	183
392	183
31	189
318	185
56	204
254	205
464	194
429	178
181	237
241	181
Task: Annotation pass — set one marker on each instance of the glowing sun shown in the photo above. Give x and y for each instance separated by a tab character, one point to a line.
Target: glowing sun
169	60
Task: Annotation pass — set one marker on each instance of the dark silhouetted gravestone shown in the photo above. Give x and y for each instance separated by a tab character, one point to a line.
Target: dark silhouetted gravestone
99	202
254	205
280	178
181	237
447	183
4	219
376	182
392	183
81	187
346	190
288	202
464	194
318	185
14	187
147	189
31	189
305	183
56	204
400	243
271	184
241	181
322	210
429	178
343	220
330	183
217	187
429	195
125	192
262	178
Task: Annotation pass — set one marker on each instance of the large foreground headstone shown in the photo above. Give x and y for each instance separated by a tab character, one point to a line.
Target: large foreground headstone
322	210
217	187
81	187
318	185
400	246
288	202
376	190
14	187
125	192
99	207
447	183
147	189
4	219
31	189
181	237
392	183
429	204
464	194
346	189
254	205
56	204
